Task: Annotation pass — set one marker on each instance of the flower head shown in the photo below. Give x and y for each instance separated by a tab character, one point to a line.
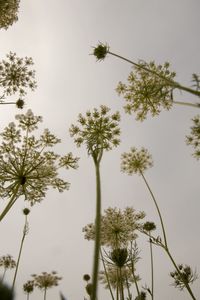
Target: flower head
7	262
184	277
28	166
136	161
16	76
149	88
8	12
194	138
46	280
126	276
28	287
149	226
98	130
117	227
100	51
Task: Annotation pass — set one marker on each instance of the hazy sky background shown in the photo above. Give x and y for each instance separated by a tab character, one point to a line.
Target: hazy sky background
59	36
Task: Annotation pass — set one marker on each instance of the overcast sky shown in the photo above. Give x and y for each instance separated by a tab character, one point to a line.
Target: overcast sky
59	36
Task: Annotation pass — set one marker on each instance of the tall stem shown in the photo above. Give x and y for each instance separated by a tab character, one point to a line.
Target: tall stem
152	270
172	83
187	103
177	269
158	210
97	232
20	252
106	273
10	203
4	273
45	293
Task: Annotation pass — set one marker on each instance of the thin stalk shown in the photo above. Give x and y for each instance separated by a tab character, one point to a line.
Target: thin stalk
158	210
187	103
45	293
97	232
106	273
152	269
128	289
4	273
133	273
10	203
121	285
20	251
177	269
170	82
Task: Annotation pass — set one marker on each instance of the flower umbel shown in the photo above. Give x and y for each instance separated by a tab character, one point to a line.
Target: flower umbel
28	287
117	227
100	51
27	166
16	76
147	90
8	12
194	138
7	262
136	161
183	277
98	130
46	280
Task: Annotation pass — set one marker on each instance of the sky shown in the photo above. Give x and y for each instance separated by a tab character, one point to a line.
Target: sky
59	36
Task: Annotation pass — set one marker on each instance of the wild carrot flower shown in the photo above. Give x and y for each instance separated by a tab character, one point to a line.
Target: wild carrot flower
147	91
194	138
28	287
184	277
16	76
136	161
100	51
27	166
6	262
117	227
98	130
8	12
126	277
46	280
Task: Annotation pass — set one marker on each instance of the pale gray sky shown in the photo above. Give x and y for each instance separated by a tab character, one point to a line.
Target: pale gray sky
58	35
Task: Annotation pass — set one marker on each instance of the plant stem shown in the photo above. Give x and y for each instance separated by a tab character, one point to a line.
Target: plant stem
10	203
106	273
45	293
20	251
172	83
158	210
187	103
133	272
97	232
4	273
177	269
152	270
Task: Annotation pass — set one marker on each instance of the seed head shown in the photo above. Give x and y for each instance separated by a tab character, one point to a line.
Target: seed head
7	262
100	51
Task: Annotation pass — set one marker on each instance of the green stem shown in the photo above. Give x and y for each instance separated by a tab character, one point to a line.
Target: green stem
121	285
158	210
152	270
187	103
97	231
10	203
20	252
45	293
133	273
172	83
177	269
106	273
4	273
